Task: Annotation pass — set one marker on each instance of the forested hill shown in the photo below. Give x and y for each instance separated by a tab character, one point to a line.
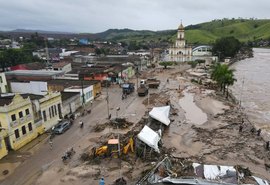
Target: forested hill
204	33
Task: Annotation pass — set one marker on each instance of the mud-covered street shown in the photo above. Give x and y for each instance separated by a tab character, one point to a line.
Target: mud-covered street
204	128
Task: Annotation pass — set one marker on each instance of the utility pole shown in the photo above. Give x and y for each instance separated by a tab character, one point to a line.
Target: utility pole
118	137
148	97
240	102
107	98
137	76
47	52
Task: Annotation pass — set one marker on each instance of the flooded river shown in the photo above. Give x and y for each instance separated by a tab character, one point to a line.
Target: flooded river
253	87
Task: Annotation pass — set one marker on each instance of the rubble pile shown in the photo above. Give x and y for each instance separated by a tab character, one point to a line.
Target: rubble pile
117	123
241	143
183	171
157	99
120	123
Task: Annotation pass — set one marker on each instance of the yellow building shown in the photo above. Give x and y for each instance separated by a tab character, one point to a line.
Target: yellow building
3	148
17	122
96	88
51	109
23	117
47	110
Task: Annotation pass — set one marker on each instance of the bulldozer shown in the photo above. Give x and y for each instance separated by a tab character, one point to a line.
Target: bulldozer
112	149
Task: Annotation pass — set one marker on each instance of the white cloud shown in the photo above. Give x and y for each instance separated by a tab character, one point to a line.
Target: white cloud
99	15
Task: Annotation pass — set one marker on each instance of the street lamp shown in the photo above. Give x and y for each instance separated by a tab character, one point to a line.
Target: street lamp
107	99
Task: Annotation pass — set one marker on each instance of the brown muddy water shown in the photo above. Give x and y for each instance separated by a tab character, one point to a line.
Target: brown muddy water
252	87
193	113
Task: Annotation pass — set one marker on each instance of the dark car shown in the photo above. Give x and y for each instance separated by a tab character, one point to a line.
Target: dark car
61	127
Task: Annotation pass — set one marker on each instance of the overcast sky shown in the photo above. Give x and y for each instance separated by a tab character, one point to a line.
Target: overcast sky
99	15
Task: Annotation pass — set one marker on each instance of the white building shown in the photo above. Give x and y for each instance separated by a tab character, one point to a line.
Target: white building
202	51
3	83
86	93
32	87
180	52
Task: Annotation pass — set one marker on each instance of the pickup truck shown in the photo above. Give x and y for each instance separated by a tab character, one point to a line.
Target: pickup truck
142	90
128	88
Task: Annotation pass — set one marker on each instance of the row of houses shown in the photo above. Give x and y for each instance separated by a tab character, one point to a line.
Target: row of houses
30	108
32	100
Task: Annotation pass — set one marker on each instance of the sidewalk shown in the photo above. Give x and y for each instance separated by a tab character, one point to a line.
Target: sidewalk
15	158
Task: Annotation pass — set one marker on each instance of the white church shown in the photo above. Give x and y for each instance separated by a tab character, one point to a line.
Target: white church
180	52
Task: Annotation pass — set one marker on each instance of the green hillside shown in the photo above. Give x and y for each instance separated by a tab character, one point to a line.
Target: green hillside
204	33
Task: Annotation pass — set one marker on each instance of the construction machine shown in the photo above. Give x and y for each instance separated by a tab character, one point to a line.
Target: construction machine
112	149
129	146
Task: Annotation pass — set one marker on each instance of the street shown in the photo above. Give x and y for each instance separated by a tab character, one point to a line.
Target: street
42	156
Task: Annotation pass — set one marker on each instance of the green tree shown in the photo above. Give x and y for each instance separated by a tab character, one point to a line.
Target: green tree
223	76
12	57
165	64
226	47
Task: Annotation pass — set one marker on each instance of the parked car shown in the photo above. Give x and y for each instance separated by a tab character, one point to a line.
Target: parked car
61	127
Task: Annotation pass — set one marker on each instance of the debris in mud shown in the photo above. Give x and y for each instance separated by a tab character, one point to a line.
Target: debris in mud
120	123
5	172
117	123
157	99
184	171
120	181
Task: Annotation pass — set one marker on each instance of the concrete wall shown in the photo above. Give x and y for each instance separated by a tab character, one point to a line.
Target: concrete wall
3	83
32	87
71	105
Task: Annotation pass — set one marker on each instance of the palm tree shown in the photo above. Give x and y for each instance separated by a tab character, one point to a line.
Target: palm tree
223	76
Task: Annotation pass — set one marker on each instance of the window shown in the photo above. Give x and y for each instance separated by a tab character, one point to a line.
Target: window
44	116
23	130
55	110
13	117
52	111
17	134
30	126
27	111
20	114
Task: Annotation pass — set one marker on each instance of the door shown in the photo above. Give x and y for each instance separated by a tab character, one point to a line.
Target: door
7	142
59	110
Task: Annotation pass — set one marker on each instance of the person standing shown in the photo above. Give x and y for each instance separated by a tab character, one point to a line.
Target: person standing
241	128
259	132
101	181
267	145
51	144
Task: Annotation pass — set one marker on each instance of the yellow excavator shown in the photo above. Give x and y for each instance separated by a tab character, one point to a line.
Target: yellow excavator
129	146
112	149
